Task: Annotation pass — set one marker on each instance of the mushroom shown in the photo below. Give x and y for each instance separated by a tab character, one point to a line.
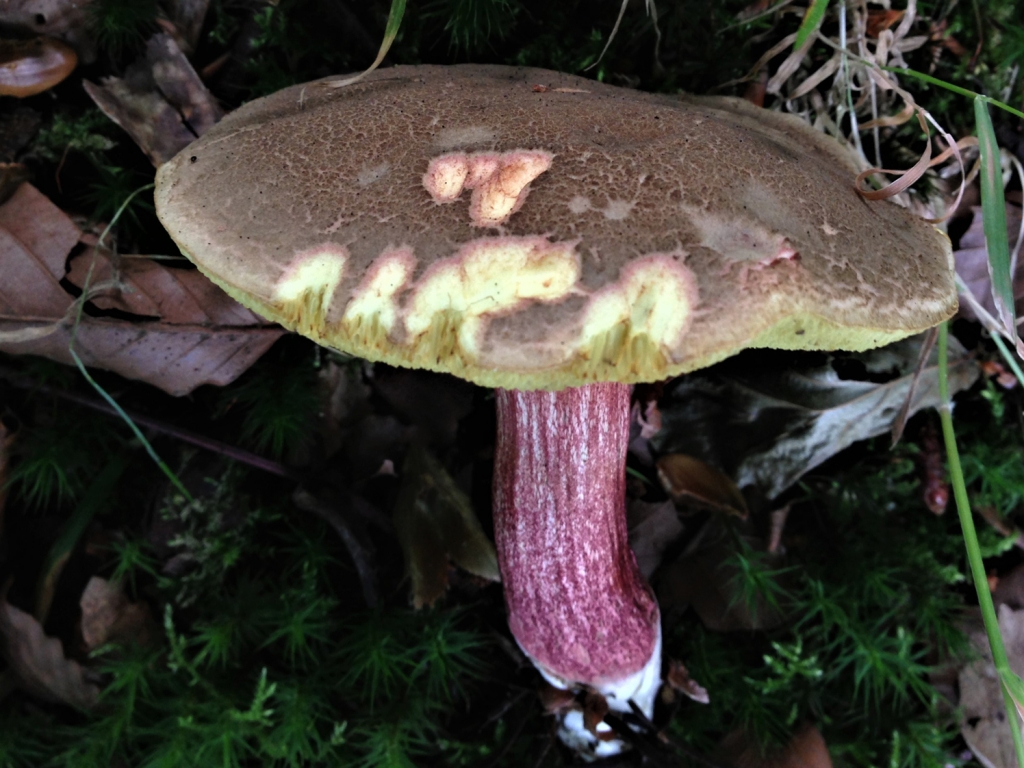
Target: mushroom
558	239
28	67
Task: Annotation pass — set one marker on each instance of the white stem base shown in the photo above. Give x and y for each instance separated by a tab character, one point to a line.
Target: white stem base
641	687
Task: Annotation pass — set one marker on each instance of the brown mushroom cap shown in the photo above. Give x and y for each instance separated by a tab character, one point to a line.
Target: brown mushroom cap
528	229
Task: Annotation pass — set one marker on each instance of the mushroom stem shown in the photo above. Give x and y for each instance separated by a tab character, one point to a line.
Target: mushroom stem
577	603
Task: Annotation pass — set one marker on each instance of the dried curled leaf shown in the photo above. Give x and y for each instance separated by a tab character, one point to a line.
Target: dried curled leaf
679	680
435	522
38	661
767	418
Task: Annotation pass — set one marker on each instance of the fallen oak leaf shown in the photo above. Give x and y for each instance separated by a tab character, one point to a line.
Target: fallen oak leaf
216	340
150	289
38	661
160	102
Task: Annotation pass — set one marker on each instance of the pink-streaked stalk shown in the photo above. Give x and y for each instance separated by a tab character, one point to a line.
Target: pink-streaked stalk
577	603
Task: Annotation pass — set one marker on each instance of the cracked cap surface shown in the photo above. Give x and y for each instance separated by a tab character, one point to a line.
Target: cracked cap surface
463	220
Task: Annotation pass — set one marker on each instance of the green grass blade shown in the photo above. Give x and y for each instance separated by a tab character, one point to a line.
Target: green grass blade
993	208
954	88
963	508
390	33
811	22
94	384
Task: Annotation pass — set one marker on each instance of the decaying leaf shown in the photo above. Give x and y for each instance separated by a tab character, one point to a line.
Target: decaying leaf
972	262
983	713
35	239
38	661
678	680
108	616
652	529
189	331
692	482
435	523
160	102
766	418
807	749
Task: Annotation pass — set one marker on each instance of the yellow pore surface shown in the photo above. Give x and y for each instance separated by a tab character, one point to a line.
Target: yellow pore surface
488	277
441	319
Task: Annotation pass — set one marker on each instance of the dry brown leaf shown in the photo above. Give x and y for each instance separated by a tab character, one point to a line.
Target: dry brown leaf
983	714
108	616
35	239
692	482
435	523
64	19
176	296
38	661
972	262
678	679
807	749
160	102
190	333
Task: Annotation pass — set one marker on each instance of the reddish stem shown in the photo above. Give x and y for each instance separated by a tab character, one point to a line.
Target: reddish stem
577	603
